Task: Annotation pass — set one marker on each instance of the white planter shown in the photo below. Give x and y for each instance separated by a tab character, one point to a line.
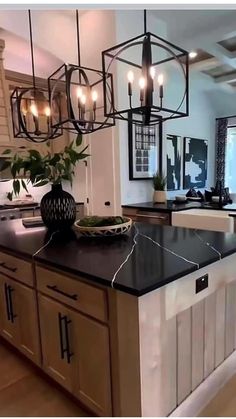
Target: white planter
159	197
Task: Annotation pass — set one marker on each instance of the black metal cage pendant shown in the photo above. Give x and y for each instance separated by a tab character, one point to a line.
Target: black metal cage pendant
30	108
157	76
77	96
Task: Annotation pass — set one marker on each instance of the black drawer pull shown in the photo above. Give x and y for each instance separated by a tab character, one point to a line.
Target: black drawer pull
3	264
69	354
10	291
7	302
54	288
62	350
63	332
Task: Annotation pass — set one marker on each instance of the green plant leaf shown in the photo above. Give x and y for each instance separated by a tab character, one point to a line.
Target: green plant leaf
16	186
85	148
79	140
7	151
41	183
13	170
24	185
10	196
55	159
35	154
84	156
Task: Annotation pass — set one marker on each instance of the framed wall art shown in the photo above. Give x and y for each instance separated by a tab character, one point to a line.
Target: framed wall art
173	162
195	163
145	150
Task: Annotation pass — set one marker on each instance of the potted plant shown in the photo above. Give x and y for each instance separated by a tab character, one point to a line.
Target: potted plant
58	209
159	185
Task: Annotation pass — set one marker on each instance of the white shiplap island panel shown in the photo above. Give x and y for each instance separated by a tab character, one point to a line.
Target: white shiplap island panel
183	338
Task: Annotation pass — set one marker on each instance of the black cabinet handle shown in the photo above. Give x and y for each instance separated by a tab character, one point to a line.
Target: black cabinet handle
12	315
64	333
9	305
107	203
7	301
69	354
3	264
60	317
54	288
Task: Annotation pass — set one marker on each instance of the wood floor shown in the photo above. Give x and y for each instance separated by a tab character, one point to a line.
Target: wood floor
24	392
224	403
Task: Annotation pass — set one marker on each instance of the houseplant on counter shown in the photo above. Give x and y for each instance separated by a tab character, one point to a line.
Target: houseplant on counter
159	185
58	209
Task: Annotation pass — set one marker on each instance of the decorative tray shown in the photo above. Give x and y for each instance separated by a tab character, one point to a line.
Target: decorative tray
103	226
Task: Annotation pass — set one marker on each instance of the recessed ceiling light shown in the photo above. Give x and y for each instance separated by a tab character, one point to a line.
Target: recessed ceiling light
192	54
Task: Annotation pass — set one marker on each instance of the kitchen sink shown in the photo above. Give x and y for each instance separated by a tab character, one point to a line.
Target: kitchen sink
197	218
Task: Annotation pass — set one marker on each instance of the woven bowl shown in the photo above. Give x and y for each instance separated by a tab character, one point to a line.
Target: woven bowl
105	231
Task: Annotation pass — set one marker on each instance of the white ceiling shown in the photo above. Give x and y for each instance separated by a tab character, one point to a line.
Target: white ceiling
185	24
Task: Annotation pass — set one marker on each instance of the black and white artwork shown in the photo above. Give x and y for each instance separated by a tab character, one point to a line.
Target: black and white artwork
144	151
195	163
173	162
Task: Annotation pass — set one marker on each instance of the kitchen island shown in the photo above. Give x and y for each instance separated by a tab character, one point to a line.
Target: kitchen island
151	314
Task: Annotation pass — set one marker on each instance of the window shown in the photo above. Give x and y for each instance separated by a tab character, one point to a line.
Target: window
230	159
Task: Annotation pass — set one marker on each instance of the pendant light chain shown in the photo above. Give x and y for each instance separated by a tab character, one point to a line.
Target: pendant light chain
145	20
78	41
32	49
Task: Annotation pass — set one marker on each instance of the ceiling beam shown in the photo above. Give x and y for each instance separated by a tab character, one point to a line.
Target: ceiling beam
205	64
226	78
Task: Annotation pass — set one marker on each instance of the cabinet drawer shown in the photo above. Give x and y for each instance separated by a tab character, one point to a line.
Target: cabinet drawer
129	212
83	297
16	268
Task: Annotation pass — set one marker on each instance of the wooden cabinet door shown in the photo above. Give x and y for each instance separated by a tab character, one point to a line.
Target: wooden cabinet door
26	311
18	317
53	340
9	320
84	367
92	379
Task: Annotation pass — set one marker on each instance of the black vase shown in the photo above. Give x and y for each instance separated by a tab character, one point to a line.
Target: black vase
58	209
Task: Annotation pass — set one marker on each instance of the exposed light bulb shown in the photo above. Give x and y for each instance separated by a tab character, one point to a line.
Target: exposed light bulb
130	76
142	82
160	79
83	99
152	72
79	92
34	110
24	111
47	111
192	54
94	96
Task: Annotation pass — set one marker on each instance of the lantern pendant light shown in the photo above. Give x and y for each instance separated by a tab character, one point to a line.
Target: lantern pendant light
77	96
154	67
31	113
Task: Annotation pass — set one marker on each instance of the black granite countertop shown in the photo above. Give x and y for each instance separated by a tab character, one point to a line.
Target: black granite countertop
171	206
148	257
